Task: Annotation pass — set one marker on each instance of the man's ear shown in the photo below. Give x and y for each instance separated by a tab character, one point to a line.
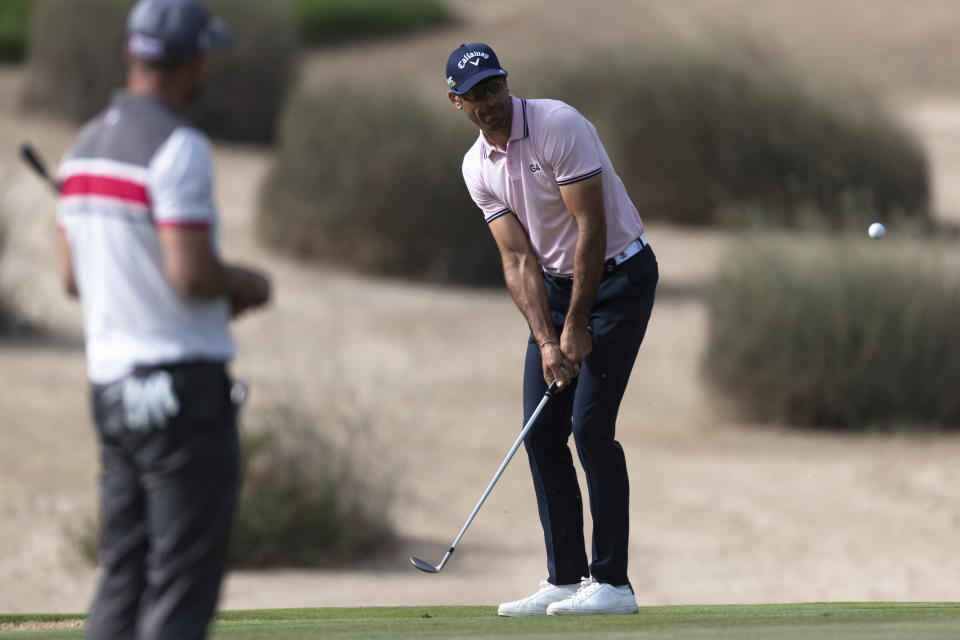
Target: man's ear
455	99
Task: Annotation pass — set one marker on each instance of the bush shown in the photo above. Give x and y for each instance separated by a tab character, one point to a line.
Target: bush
248	83
74	56
7	317
76	60
326	21
304	502
701	133
14	26
364	180
839	334
10	322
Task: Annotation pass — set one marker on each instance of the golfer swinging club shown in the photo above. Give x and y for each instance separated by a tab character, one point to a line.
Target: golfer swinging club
577	265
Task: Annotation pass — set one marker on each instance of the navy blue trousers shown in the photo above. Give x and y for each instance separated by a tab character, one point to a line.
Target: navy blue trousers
588	409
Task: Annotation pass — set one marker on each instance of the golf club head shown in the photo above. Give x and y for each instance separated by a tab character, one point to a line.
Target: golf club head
424	566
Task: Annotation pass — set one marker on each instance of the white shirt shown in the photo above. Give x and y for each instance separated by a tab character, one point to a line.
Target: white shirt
109	213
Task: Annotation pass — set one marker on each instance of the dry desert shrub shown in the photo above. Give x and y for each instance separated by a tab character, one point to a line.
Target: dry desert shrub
333	21
842	333
371	183
75	60
305	500
10	323
703	132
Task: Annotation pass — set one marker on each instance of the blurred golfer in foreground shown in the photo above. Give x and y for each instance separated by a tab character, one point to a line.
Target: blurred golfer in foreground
579	268
139	248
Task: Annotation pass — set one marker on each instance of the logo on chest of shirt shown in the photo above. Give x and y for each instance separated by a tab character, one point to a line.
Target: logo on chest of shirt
535	167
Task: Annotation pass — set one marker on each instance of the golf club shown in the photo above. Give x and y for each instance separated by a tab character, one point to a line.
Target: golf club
33	159
429	568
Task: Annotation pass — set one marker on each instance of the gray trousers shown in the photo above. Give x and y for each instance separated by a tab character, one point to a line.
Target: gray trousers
169	475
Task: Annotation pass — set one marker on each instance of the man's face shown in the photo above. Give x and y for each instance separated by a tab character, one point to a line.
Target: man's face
487	104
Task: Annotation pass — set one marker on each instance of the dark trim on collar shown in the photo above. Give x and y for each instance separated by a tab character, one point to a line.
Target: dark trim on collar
526	127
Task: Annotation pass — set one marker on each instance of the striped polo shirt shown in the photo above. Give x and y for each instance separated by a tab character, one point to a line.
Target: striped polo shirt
551	144
135	168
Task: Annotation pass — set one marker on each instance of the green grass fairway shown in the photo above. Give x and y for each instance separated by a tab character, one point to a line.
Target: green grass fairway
776	621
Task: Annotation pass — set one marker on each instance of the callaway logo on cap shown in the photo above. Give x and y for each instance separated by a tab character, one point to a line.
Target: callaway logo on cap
469	64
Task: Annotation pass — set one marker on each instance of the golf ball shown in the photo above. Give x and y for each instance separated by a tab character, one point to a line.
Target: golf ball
877	230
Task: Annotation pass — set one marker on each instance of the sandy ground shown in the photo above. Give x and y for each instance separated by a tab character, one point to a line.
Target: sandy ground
419	378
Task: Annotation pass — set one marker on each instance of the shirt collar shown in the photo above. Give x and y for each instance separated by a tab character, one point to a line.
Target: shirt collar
519	128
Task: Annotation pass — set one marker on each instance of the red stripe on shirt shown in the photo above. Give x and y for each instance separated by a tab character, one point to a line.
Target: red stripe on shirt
82	184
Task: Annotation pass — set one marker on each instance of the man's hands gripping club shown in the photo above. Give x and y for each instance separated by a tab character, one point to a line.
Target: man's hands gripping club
562	358
556	366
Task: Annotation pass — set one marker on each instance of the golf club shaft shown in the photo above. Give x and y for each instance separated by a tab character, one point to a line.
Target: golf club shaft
496	476
38	165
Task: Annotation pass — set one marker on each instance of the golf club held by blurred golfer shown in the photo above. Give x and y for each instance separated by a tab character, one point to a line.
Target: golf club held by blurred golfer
32	158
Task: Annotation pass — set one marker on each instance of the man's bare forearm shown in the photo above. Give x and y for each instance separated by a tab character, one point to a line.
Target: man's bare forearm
588	262
525	283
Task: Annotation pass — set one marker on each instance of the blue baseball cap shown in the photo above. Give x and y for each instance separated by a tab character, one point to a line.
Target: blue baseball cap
469	64
169	31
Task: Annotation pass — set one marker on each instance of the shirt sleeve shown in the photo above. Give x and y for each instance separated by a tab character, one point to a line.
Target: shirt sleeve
569	145
180	180
491	206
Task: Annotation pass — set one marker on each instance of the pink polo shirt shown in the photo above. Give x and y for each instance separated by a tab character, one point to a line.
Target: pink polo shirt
551	144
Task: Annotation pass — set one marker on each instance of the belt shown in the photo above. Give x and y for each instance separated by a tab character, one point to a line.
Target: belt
632	249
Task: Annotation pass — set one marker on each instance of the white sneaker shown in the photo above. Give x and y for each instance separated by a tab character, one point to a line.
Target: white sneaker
596	598
536	605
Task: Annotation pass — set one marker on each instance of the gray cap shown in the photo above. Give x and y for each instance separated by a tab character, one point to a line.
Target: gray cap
169	31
